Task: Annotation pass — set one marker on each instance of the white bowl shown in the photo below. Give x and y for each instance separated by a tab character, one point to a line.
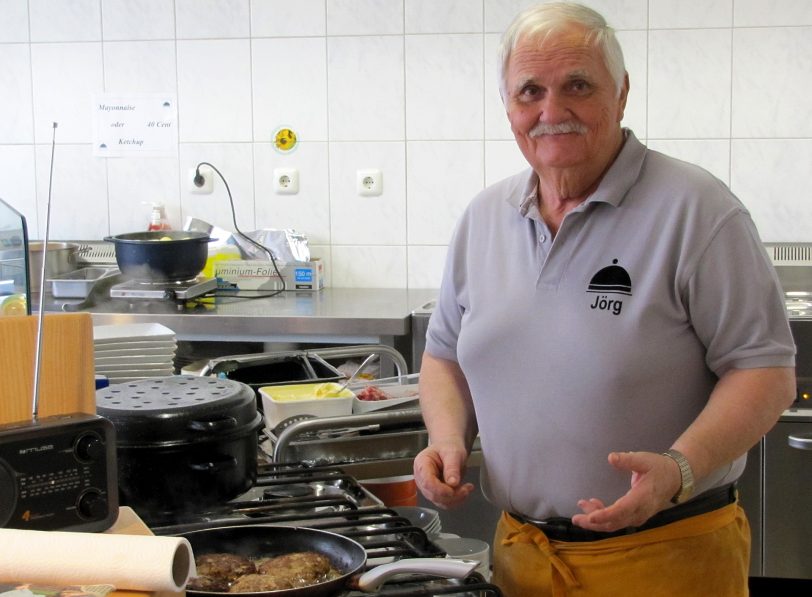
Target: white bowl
318	399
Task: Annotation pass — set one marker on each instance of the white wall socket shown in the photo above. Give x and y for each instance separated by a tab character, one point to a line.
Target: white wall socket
369	182
208	180
286	181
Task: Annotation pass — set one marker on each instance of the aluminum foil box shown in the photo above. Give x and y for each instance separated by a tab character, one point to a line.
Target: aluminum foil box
260	275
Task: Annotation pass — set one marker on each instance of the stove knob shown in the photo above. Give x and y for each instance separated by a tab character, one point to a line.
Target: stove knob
89	447
91	505
8	493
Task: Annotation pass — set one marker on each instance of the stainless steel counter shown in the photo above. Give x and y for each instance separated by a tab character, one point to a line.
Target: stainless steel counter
333	315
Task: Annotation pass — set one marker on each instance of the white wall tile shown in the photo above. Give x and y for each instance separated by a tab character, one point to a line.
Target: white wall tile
140	67
368	267
444	87
134	184
364	17
635	50
442	179
57	20
289	87
214	90
79	208
365	88
760	13
212	19
17	122
65	77
689	84
308	211
14	24
286	18
768	100
138	19
367	220
449	16
496	122
770	177
18	182
426	266
712	154
236	163
502	159
682	14
619	14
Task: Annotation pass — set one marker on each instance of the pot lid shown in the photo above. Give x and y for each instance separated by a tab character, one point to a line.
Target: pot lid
178	408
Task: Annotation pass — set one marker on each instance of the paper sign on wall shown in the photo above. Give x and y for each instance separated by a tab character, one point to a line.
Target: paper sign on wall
142	125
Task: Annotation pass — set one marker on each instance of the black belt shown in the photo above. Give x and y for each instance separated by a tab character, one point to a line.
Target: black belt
562	529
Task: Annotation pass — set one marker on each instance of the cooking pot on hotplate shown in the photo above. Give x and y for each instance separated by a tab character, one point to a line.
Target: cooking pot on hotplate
161	255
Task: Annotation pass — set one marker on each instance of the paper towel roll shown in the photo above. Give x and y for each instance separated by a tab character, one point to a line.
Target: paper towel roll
130	562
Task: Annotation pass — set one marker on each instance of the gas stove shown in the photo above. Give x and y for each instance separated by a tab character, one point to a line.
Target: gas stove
326	498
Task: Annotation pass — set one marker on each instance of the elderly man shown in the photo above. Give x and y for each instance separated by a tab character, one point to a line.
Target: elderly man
609	303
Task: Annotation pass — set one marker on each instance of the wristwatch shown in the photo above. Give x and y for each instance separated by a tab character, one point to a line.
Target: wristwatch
686	488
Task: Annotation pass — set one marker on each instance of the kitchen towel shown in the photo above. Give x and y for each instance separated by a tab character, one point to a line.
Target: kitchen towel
131	562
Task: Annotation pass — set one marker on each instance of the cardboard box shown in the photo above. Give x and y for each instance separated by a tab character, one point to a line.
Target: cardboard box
260	275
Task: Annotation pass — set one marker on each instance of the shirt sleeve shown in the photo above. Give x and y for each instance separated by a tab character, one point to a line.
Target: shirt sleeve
736	303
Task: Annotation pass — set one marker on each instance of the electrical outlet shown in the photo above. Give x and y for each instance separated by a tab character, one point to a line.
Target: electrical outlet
286	181
208	180
369	182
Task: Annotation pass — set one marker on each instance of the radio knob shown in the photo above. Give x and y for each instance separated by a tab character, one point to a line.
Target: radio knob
89	447
92	505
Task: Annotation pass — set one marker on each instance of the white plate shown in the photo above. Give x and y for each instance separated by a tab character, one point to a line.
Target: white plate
103	334
136	359
167	345
159	353
149	367
119	373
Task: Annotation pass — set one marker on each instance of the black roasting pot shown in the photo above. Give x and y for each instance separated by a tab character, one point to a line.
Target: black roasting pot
161	255
183	441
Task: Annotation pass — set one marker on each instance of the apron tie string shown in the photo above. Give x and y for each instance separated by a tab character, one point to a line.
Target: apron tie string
562	576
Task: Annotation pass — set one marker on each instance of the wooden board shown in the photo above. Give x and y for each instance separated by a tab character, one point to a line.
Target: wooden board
67	383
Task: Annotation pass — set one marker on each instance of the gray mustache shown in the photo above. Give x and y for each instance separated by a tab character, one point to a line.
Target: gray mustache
571	126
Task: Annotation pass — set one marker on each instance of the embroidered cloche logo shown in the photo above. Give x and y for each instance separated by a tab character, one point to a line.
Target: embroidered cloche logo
611	280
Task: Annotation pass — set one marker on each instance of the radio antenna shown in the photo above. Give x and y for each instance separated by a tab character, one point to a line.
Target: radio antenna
41	311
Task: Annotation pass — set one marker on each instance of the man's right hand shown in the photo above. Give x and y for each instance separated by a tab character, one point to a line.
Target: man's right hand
438	472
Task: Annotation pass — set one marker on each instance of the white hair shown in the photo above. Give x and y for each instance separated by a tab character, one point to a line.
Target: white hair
542	20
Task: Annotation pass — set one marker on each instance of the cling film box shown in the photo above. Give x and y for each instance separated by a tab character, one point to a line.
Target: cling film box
260	275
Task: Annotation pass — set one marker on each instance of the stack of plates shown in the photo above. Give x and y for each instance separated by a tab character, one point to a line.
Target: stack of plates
422	518
125	353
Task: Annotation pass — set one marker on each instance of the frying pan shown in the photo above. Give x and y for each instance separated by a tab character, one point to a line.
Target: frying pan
348	556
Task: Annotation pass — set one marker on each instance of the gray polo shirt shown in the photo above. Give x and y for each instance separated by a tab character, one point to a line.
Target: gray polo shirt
608	338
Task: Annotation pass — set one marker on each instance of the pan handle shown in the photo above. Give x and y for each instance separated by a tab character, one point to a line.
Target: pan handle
372	580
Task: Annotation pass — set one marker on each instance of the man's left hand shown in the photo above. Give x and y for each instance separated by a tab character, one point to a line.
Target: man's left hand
655	480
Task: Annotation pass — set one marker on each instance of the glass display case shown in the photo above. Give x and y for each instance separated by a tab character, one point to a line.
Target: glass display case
15	286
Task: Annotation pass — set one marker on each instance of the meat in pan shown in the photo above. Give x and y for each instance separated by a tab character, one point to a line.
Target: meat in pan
224	566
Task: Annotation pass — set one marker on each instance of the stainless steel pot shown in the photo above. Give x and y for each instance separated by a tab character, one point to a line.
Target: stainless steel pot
60	258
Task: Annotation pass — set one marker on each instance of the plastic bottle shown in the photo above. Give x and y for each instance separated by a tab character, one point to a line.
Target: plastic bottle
157	218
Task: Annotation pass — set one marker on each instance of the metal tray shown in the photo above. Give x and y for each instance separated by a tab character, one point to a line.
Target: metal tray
79	283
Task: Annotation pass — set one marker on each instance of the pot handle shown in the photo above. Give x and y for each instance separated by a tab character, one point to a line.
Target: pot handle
213	465
109	239
213	426
372	579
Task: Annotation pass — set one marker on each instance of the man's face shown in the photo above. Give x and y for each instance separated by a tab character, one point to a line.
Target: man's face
563	107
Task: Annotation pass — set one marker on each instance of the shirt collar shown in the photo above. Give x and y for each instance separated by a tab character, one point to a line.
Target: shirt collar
619	178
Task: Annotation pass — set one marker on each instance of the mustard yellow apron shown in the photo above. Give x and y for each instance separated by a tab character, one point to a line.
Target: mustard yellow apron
705	555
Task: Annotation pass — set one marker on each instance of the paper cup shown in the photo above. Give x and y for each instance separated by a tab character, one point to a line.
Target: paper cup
393	491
